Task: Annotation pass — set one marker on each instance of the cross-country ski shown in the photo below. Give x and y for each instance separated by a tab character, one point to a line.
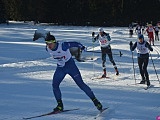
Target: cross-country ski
50	113
106	77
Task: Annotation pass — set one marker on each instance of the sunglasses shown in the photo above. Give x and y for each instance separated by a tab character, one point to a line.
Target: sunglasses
50	41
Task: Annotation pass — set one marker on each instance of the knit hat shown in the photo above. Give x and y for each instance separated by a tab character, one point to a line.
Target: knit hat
100	30
50	39
140	36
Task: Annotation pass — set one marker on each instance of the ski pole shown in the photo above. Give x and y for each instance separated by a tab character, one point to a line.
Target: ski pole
155	68
93	33
120	53
93	61
133	68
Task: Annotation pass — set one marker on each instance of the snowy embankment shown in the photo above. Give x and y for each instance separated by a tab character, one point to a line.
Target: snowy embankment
26	72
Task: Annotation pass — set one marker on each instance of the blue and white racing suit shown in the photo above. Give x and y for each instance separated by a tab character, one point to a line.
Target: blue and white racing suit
66	65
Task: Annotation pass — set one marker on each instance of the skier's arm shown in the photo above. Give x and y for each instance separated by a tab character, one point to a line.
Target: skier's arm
67	45
132	47
149	46
108	36
94	38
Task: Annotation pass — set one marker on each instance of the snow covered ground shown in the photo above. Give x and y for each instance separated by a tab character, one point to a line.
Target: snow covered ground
26	71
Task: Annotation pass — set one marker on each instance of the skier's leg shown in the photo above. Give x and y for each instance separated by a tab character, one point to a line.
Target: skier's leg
103	56
145	70
78	79
57	79
156	37
75	74
152	38
109	52
149	39
140	63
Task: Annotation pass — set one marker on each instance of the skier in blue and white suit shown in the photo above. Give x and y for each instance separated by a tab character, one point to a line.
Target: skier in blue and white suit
66	65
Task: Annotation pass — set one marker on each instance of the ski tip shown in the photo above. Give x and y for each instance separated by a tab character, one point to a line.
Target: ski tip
103	109
25	118
146	88
102	77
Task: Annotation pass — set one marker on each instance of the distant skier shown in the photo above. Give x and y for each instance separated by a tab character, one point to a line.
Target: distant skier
143	48
104	41
138	30
143	29
130	30
150	32
66	65
156	29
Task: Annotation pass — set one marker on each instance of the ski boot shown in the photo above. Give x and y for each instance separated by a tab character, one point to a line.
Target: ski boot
97	104
116	69
104	74
59	106
117	72
143	80
148	82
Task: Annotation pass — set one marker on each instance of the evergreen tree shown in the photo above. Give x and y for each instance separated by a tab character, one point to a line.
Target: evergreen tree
2	12
82	12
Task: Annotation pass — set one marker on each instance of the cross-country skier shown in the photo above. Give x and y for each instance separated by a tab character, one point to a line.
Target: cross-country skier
156	29
143	29
138	30
66	65
104	41
150	32
130	30
143	48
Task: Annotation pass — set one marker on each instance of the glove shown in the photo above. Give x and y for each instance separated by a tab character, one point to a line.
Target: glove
93	33
130	43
